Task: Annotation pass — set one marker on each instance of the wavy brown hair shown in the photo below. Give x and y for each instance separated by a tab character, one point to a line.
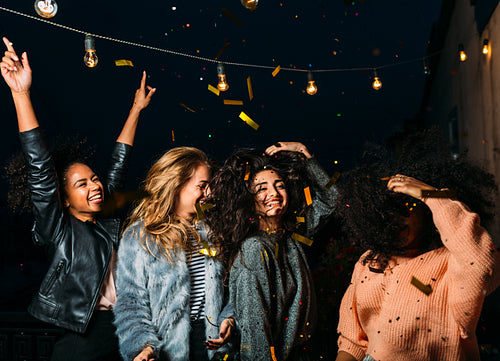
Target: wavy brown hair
163	232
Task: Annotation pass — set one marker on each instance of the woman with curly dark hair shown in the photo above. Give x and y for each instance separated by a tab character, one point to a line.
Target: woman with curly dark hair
417	293
265	205
78	291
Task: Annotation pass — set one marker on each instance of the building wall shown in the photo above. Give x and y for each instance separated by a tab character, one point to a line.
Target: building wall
465	96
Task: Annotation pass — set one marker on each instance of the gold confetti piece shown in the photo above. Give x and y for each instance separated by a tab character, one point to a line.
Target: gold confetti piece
385	178
225	357
233	102
221	51
276	250
213	90
199	212
247	172
250	90
249	121
207	251
427	289
262	256
273	356
232	17
123	62
302	239
276	71
441	193
301	219
332	180
307	193
267	256
206	206
173	136
188	108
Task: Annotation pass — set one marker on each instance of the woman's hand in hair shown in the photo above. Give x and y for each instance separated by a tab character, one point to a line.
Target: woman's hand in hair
225	332
146	355
407	185
16	71
288	146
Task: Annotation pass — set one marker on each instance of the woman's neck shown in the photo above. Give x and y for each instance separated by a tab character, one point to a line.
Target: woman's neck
270	224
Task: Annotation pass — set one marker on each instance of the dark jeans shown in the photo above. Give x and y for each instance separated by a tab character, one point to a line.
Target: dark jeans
197	338
98	343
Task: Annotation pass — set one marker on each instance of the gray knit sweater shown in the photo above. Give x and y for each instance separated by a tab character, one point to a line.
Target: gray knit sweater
272	293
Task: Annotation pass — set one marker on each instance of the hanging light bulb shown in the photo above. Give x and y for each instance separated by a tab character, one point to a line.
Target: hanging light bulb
222	85
461	53
486	46
377	84
311	84
46	8
90	58
427	70
250	4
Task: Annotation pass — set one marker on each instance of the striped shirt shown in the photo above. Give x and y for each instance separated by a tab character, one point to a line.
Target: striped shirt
196	267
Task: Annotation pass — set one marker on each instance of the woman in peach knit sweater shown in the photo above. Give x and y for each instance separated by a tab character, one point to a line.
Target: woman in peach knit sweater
418	292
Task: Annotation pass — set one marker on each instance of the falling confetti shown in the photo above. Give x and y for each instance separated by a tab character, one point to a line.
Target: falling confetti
232	17
332	180
302	239
276	71
233	102
301	219
123	62
250	90
247	172
188	108
307	193
221	51
249	121
173	136
273	356
427	289
214	90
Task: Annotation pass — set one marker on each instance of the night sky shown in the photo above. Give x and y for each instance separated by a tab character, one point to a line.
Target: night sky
309	35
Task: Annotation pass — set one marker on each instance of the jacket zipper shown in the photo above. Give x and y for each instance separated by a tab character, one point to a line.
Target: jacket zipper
53	277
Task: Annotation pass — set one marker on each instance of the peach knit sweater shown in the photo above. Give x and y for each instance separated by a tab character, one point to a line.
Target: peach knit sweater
383	315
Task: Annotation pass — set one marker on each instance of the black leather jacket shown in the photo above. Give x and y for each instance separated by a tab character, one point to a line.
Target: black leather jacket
81	251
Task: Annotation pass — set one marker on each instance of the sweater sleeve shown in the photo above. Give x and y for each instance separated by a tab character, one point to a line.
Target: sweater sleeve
471	262
323	200
250	296
133	320
352	339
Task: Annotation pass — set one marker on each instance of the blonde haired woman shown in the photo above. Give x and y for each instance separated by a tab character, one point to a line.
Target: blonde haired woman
169	283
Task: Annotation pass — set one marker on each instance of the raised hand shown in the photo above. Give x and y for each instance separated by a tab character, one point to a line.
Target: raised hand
15	71
288	146
407	185
141	99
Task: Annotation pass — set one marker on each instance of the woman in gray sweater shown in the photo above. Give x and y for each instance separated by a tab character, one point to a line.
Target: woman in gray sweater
266	205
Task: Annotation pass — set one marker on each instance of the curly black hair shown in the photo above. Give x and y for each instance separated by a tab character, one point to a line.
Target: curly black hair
234	216
372	215
67	152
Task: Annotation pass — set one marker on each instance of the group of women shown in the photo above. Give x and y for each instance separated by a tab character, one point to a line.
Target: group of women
210	263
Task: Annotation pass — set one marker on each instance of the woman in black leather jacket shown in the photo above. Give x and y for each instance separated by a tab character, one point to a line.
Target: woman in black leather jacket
78	291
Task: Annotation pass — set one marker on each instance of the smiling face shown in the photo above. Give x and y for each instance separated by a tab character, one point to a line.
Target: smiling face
271	197
84	192
193	191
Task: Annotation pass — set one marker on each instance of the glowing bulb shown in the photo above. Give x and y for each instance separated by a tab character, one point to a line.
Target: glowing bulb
461	52
90	58
311	84
486	47
250	4
222	85
377	84
46	8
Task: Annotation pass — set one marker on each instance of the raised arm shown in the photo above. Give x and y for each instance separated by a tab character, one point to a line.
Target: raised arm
17	75
141	101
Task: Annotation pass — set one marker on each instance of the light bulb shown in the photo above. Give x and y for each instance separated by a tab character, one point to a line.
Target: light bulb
90	58
486	48
377	84
250	4
46	8
311	84
222	85
461	52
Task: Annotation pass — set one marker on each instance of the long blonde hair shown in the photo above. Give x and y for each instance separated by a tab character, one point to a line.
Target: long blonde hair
163	232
